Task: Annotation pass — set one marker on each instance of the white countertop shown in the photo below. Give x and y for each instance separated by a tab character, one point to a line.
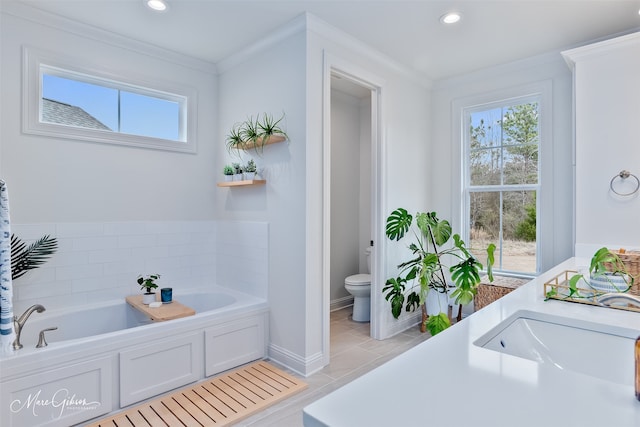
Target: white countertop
449	381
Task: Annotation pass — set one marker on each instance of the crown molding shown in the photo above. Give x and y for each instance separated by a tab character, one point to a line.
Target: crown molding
60	23
310	23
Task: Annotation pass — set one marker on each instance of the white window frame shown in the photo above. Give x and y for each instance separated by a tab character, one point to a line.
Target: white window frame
36	63
540	92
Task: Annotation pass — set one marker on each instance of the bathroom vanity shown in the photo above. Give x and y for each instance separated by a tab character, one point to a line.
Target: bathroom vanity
521	361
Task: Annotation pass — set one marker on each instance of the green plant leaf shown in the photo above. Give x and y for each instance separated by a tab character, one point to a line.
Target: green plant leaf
413	301
395	294
441	229
490	260
25	258
466	276
438	323
398	224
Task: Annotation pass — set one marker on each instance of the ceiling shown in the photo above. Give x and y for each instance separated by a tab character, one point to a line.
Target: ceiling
490	32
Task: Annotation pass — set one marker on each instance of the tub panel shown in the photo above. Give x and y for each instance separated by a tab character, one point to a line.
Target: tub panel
233	344
155	368
59	397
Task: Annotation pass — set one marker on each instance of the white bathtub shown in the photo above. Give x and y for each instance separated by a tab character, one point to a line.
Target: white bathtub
107	356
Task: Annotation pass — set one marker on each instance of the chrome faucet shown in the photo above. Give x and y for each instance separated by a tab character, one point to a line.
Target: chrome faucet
18	323
618	297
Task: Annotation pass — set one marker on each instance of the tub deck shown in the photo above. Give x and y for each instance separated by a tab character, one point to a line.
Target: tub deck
175	310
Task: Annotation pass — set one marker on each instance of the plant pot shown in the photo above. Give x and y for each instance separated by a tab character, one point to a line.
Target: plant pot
148	298
228	178
610	282
249	175
437	302
237	177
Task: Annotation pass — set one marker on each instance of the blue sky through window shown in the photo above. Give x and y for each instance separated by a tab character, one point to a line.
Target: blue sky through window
139	114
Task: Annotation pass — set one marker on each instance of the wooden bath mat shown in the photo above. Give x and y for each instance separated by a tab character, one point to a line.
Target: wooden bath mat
219	401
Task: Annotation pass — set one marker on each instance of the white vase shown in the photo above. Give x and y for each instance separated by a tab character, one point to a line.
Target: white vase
237	177
228	178
148	298
437	302
249	175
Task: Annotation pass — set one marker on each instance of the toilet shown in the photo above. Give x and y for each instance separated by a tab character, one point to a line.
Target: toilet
359	285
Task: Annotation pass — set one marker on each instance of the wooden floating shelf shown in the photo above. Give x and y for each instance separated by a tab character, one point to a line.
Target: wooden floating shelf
258	144
242	183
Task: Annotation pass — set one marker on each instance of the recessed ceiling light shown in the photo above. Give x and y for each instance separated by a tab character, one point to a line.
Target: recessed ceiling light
158	5
450	18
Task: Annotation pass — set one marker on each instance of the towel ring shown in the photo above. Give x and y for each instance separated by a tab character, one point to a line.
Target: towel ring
624	174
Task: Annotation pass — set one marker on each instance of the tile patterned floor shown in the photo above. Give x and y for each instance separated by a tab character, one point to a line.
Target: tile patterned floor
353	353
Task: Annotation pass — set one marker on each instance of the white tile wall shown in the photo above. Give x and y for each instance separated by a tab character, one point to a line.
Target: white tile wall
98	261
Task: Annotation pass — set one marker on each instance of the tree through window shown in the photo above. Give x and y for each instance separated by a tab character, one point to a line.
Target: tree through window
502	181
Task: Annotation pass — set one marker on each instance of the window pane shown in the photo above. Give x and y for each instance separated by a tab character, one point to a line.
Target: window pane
521	164
71	102
148	116
485	167
508	219
485	128
74	103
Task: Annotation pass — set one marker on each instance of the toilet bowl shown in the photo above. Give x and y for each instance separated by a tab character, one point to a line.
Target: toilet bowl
359	285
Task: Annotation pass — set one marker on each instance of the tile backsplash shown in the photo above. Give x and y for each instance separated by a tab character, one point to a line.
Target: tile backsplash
101	261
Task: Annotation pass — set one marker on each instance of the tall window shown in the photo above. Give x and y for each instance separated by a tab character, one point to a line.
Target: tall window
502	181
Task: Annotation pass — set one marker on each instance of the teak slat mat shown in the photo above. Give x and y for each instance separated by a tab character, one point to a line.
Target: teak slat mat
219	401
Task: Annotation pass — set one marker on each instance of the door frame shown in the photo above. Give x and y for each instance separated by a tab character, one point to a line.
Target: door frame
349	71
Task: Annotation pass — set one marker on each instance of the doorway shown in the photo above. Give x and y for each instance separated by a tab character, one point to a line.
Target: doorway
352	195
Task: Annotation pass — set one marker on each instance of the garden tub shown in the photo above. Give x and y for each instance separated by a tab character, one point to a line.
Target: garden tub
108	356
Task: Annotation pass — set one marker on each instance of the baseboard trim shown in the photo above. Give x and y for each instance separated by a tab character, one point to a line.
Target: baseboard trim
340	303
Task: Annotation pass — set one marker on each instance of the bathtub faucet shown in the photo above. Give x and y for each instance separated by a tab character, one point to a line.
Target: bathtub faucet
18	323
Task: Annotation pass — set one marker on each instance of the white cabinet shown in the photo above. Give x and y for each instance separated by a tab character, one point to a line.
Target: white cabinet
232	344
62	396
152	369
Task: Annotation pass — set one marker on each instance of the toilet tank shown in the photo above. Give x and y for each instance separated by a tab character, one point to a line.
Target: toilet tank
367	252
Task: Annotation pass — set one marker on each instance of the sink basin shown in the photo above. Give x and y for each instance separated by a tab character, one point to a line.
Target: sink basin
597	350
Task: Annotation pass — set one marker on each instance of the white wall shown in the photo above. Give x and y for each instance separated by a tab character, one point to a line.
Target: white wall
58	180
556	156
270	77
607	105
403	148
117	211
345	190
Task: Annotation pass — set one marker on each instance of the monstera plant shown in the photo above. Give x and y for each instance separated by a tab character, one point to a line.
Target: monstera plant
425	270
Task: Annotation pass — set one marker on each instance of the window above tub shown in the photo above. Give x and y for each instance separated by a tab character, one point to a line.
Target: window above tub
62	98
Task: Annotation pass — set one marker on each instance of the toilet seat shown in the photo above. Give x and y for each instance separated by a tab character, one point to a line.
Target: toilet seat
358	280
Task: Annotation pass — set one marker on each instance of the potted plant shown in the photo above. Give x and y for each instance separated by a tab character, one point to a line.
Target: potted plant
424	272
254	133
234	139
268	127
250	170
607	273
237	171
148	283
228	172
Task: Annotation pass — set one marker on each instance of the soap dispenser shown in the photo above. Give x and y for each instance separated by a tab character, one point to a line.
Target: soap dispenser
637	381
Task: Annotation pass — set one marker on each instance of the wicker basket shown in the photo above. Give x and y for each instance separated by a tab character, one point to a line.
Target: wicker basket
488	292
631	261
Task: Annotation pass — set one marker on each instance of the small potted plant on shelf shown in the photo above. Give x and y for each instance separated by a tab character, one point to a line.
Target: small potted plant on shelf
228	172
148	283
250	170
237	171
255	133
